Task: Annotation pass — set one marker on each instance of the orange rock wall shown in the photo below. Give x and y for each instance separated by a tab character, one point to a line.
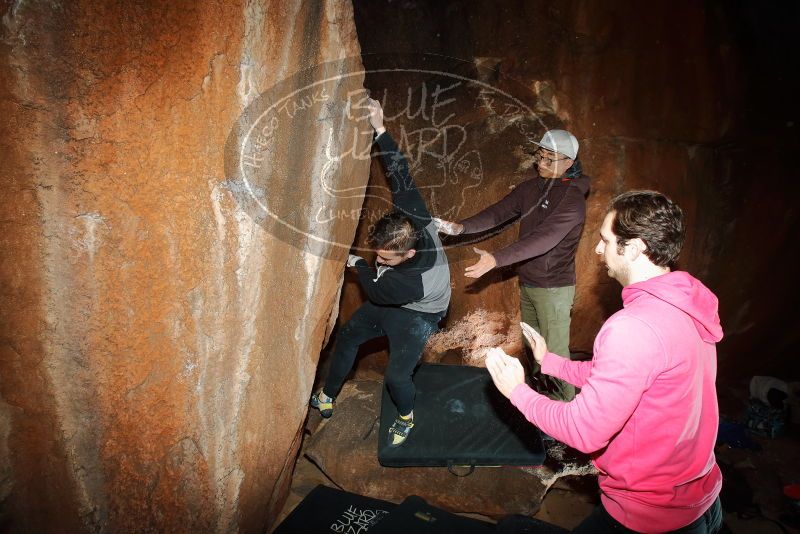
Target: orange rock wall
158	344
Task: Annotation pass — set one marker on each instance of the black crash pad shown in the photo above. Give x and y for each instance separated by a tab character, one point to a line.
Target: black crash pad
327	509
460	419
520	524
415	515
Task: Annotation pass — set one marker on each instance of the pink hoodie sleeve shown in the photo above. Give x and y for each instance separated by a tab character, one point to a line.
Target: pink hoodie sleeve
628	356
574	373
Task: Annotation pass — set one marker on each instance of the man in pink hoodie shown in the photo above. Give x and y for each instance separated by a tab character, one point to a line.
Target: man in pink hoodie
647	411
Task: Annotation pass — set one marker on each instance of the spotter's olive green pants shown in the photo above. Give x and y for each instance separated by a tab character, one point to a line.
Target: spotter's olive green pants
548	310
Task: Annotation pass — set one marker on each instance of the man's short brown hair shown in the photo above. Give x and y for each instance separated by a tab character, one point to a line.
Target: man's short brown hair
394	231
653	218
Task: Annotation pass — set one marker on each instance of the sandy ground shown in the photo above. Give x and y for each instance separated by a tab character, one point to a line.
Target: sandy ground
765	472
572	499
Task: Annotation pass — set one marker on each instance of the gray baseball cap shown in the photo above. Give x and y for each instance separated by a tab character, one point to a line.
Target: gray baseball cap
560	141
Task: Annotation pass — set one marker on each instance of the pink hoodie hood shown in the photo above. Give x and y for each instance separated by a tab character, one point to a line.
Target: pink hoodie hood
688	294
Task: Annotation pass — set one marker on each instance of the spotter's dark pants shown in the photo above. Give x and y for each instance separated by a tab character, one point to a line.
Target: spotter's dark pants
407	330
600	522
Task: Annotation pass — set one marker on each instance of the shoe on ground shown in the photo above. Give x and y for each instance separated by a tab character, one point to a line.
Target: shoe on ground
325	408
399	431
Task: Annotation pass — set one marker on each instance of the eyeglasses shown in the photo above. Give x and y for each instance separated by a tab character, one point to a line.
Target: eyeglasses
539	154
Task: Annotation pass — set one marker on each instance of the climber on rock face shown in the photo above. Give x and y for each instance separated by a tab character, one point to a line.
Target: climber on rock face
647	411
551	208
408	292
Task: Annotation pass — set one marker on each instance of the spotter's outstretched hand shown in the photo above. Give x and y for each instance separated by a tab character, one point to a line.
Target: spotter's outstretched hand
506	371
448	227
485	264
536	341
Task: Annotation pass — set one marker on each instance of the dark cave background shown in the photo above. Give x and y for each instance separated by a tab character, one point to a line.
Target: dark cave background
159	346
695	99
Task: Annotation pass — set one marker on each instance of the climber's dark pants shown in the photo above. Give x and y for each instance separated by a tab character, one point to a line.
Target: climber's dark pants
407	330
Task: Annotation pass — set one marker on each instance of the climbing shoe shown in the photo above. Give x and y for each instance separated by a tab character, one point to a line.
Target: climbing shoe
325	408
399	431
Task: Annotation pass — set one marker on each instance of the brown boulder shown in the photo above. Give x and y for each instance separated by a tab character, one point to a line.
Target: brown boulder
160	340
